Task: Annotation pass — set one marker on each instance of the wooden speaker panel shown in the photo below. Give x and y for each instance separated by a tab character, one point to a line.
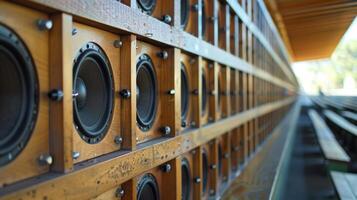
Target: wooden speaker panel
193	161
105	41
208	20
191	25
223	26
22	21
189	66
223	92
209	74
208	150
164	68
234	91
224	151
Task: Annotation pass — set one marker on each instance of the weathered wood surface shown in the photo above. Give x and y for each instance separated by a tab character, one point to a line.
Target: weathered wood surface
341	122
329	145
345	184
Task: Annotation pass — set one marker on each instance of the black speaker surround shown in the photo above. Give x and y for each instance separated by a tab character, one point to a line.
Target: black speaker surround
184	92
19	95
204	171
147	188
185	179
204	93
146	92
185	13
93	93
147	6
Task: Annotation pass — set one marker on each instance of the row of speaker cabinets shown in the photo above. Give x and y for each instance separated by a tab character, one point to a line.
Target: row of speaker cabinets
204	172
85	100
219	25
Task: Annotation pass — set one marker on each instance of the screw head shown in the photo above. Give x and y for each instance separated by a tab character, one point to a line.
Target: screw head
74	31
163	54
166	168
195	7
75	155
183	123
44	24
213	92
193	124
195	92
45	159
119	192
213	166
125	93
226	155
166	130
118	140
171	92
167	19
56	95
197	180
117	43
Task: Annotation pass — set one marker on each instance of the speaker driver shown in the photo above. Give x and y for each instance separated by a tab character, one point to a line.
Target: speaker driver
93	93
220	159
204	93
203	19
185	12
18	95
146	91
147	6
184	92
204	171
147	188
185	179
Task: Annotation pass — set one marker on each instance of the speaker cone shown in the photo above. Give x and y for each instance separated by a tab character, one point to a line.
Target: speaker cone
147	188
146	91
147	6
185	12
203	19
185	179
204	93
204	172
93	93
220	159
219	93
18	95
184	92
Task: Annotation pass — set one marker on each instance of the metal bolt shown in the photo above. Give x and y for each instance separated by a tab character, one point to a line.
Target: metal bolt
56	95
171	92
236	148
166	168
163	54
117	43
118	140
213	166
193	124
195	7
119	192
125	93
197	180
45	159
213	92
183	123
195	92
212	19
44	24
192	60
167	19
166	130
226	155
75	155
74	31
210	65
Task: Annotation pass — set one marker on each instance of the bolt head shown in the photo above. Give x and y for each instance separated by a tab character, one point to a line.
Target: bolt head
197	180
163	54
45	159
56	95
44	24
167	19
166	168
195	7
213	166
166	130
125	93
117	43
74	31
193	124
118	140
183	123
75	155
119	192
172	92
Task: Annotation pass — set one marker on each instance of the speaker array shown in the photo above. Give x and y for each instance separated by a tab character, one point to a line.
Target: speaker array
172	92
